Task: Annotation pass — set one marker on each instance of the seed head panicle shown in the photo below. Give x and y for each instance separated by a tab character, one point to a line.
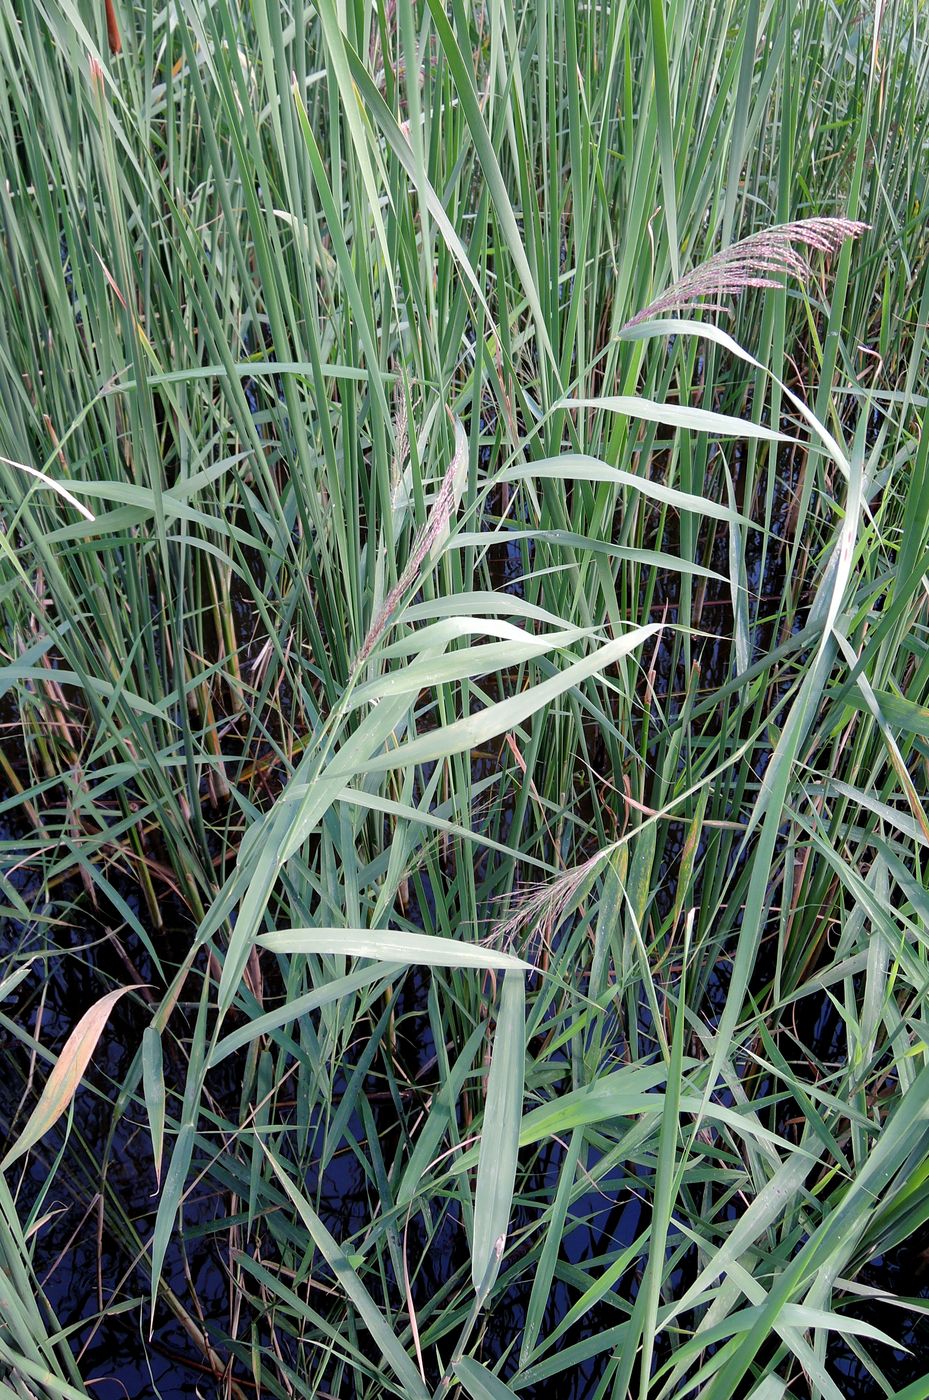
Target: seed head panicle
542	907
430	537
752	262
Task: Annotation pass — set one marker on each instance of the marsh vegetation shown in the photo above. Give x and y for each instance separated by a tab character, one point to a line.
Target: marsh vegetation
464	500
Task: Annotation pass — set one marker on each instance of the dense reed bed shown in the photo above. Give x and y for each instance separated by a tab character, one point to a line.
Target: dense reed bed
464	488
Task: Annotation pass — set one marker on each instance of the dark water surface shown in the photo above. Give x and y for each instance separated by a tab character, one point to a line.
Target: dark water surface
73	1261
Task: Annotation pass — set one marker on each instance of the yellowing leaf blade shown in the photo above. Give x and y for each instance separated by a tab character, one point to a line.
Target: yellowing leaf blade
63	1082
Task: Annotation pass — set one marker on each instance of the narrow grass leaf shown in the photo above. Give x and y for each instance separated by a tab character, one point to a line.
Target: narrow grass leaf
673	415
292	1010
354	1289
468	733
497	1158
392	945
574	467
153	1089
440	1118
480	1383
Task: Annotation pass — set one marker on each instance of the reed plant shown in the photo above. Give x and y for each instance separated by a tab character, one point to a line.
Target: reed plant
464	488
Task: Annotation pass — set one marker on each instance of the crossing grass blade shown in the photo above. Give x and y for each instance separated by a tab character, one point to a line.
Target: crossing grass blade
480	1383
348	1280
